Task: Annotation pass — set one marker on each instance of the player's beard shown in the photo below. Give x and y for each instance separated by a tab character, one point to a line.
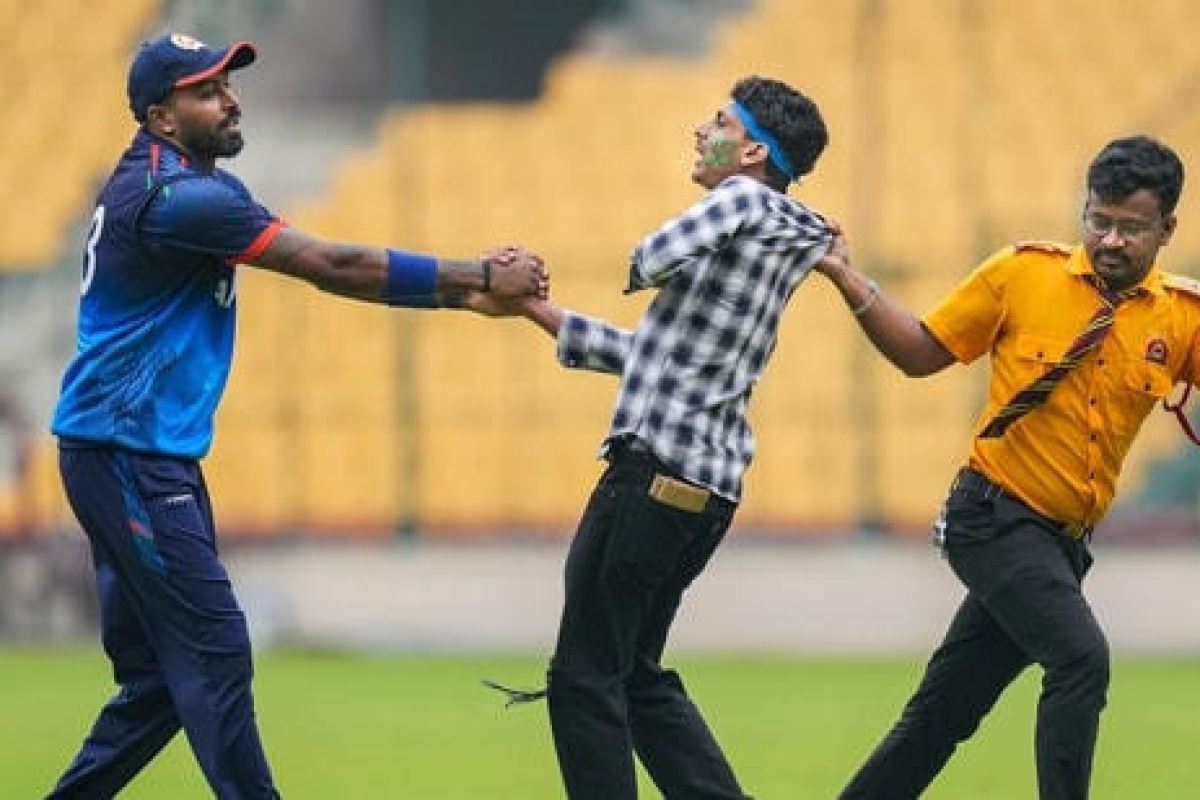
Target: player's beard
224	142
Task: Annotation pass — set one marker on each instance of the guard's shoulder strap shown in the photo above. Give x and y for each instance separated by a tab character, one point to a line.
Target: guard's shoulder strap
1182	283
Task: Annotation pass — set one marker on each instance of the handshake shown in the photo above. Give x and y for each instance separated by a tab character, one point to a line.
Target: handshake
516	282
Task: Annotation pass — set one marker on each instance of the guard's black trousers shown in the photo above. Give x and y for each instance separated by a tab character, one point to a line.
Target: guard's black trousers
1024	605
630	561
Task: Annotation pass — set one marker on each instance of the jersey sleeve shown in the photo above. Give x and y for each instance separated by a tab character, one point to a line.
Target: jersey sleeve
967	320
210	216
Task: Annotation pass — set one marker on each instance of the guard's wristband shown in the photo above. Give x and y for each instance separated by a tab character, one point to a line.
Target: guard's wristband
411	280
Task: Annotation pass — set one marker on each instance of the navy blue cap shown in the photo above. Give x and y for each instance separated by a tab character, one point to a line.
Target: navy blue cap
175	60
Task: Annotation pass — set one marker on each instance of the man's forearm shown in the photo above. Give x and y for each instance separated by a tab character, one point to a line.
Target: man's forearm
398	277
895	331
546	316
859	291
463	274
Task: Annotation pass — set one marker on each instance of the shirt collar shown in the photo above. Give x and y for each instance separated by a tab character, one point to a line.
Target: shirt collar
1080	264
148	138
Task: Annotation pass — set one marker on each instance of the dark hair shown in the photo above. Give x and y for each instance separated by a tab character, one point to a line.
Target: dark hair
1127	165
790	117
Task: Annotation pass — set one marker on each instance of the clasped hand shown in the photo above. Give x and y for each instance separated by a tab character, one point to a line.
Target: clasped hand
519	276
516	272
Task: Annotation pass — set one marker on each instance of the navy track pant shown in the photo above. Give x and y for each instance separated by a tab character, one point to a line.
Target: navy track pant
170	624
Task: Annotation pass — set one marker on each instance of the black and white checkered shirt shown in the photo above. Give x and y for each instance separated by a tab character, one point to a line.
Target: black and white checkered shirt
725	269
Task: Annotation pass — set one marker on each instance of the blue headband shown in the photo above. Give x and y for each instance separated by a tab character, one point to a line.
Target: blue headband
760	134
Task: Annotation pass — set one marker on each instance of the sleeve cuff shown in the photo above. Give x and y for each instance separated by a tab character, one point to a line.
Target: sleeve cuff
260	243
571	347
945	339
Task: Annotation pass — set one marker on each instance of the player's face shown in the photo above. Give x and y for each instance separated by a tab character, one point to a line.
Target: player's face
206	117
1123	239
720	143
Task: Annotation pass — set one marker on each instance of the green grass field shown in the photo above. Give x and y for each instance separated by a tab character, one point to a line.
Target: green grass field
349	726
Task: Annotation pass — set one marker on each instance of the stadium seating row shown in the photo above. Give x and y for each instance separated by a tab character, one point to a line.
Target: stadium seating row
956	128
61	77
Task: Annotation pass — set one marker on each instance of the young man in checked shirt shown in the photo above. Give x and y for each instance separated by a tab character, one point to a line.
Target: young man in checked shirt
678	444
1083	342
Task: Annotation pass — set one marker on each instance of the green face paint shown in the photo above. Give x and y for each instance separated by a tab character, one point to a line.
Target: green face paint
721	152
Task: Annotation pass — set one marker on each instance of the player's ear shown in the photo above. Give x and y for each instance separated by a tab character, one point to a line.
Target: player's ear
1168	228
161	118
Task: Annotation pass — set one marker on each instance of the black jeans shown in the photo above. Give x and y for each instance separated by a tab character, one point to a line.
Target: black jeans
629	564
1024	605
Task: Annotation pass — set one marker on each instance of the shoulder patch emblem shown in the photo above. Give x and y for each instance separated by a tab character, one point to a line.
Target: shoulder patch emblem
185	42
1037	246
1156	352
1181	283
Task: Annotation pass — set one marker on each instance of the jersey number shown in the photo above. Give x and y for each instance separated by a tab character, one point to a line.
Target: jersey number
226	291
89	255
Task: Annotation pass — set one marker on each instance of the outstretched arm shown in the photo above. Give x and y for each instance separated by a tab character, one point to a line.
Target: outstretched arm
538	309
580	342
377	275
894	331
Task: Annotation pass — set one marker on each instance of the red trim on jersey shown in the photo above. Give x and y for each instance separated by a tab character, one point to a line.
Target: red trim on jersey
260	243
155	157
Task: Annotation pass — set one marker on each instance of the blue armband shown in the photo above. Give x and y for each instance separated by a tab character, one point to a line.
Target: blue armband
412	280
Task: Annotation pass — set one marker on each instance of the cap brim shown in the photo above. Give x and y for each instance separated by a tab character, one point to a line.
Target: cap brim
236	56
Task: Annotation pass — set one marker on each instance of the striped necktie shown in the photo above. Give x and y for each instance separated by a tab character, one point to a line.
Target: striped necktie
1036	393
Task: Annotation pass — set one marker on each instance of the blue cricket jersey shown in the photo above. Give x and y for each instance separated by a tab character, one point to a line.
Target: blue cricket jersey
158	302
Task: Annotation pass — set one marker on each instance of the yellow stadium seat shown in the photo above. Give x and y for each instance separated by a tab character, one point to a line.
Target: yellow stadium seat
948	136
37	221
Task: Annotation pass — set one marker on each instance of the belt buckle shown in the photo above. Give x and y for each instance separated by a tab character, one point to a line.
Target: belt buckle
940	527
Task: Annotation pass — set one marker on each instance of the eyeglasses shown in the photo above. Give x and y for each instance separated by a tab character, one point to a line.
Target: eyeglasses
1100	226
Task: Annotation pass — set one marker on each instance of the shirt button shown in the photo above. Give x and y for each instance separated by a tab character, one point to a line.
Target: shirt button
1100	362
1092	437
1092	401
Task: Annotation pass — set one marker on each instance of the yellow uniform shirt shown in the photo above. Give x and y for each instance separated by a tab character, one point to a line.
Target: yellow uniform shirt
1024	306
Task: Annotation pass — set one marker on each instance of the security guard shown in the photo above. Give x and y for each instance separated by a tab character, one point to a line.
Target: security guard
1083	342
